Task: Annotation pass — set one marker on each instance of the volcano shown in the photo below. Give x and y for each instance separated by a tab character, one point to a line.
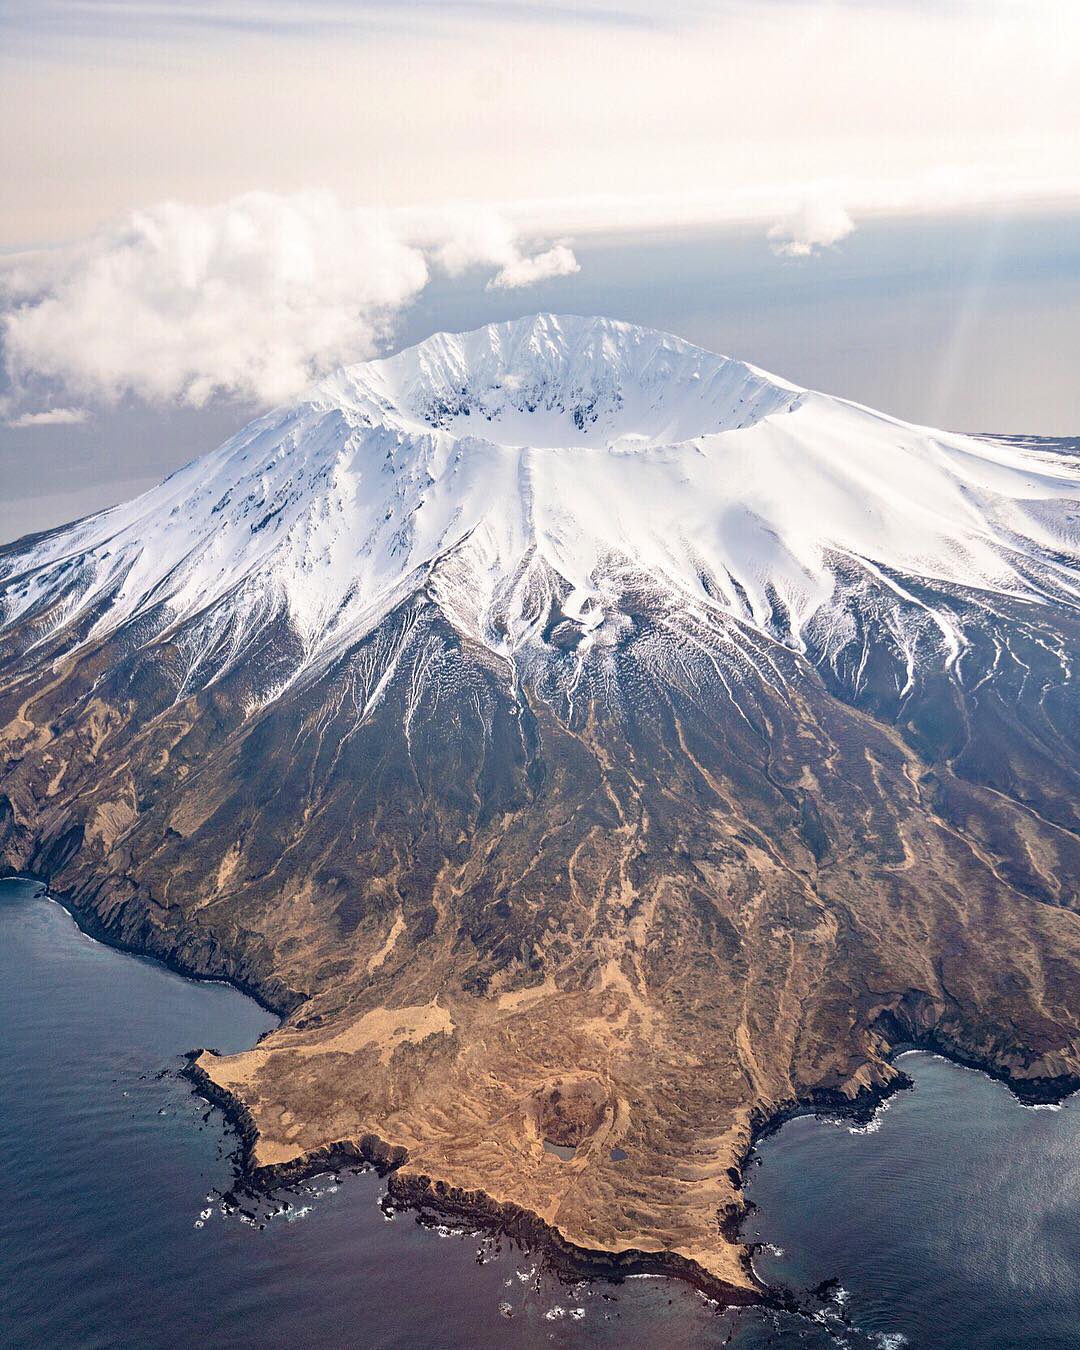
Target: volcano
583	740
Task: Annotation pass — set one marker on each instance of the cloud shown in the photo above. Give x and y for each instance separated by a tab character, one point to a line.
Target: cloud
251	298
557	261
51	417
457	238
816	225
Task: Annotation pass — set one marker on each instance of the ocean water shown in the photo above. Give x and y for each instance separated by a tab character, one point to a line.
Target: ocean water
953	1222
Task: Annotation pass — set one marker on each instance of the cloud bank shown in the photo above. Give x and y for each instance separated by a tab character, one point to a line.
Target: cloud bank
815	225
250	299
50	417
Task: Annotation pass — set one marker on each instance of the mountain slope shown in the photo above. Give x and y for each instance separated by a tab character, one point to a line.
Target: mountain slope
582	737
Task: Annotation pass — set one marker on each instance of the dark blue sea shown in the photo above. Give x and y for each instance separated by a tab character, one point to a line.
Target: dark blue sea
952	1222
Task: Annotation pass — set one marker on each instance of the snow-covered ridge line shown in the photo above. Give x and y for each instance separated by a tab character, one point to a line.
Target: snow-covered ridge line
544	467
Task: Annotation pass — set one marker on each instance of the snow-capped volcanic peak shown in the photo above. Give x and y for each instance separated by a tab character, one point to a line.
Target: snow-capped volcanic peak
555	463
560	382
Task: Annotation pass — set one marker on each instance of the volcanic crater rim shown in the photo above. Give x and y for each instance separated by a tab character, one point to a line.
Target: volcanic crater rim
560	382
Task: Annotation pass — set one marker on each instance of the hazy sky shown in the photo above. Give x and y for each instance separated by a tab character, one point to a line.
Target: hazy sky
597	111
204	204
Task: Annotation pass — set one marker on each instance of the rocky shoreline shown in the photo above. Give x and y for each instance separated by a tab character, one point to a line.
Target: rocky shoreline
408	1191
145	942
475	1208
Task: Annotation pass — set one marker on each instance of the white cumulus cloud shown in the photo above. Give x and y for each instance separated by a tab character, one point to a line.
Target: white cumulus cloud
557	261
817	224
50	417
250	298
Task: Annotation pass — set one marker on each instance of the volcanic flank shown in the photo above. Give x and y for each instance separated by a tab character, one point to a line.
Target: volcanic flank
584	739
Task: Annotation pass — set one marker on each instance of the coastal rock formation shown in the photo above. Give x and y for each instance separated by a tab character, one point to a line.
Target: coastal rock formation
583	740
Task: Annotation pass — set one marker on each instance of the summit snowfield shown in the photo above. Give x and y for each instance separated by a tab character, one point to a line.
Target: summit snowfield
546	470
